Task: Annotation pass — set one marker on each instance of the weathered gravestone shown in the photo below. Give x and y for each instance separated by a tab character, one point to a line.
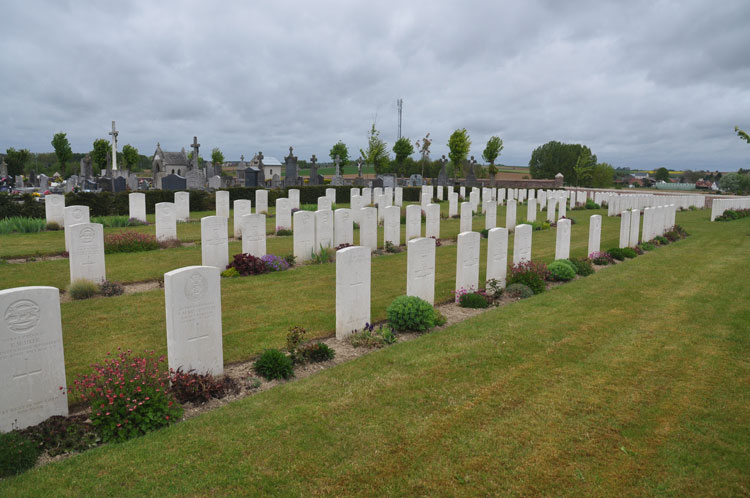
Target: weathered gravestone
290	171
241	208
635	222
368	228
432	221
562	239
415	181
531	210
522	244
471	179
54	209
283	214
595	233
261	201
314	177
214	242
324	203
119	184
624	229
467	262
43	182
166	221
304	235
420	269
195	180
343	231
133	182
214	182
443	175
32	366
74	215
392	225
192	298
222	203
86	253
490	214
253	228
352	290
323	229
137	206
182	205
465	225
413	222
293	195
105	184
173	182
510	215
497	254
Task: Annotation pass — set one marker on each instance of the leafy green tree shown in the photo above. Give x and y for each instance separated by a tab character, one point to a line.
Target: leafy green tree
584	167
602	176
459	145
216	156
130	156
555	157
743	135
99	153
190	157
16	160
493	149
423	146
662	174
377	151
62	148
403	149
342	151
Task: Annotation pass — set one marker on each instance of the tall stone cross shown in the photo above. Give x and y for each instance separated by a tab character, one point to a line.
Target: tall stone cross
242	158
359	167
114	134
337	160
313	159
196	147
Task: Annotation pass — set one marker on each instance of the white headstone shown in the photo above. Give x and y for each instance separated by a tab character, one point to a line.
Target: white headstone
467	262
182	205
522	244
462	192
214	242
192	298
242	207
392	225
366	196
452	204
323	229
304	235
293	195
624	229
368	228
343	232
635	226
439	190
222	203
531	210
466	222
352	289
324	204
32	364
424	199
510	215
497	254
86	255
551	208
562	241
413	222
73	216
595	233
331	195
376	192
54	209
166	221
253	228
490	214
283	214
398	196
420	269
261	201
380	201
432	221
137	206
562	205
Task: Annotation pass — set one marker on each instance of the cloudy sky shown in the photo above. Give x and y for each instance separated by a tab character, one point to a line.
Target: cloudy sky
643	83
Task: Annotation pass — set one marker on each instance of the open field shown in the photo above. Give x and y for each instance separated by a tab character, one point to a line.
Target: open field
634	381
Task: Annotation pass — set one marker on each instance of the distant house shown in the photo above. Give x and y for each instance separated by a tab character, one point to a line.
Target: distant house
271	165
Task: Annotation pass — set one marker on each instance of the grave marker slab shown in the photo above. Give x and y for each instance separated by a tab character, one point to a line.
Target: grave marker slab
137	206
343	230
222	203
54	209
490	214
420	269
624	229
467	262
283	214
166	221
323	229
413	222
562	239
261	201
182	205
497	254
452	204
531	210
635	226
74	215
304	235
324	203
86	255
398	196
352	289
242	207
595	233
522	244
293	195
432	221
510	215
368	228
253	228
466	222
392	225
214	242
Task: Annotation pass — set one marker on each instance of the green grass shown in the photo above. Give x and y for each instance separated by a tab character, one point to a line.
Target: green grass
634	381
20	224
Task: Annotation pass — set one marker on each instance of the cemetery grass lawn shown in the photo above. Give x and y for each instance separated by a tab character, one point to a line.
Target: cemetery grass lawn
634	381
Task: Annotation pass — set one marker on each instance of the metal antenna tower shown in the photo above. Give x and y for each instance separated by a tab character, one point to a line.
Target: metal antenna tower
400	105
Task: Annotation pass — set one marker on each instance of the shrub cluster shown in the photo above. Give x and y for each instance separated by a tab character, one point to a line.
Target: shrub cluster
192	387
60	435
561	270
370	337
129	242
283	232
247	264
275	263
540	225
590	204
647	246
617	253
128	396
530	273
410	313
82	289
519	291
476	299
53	226
601	258
17	453
109	289
733	214
583	267
273	364
317	352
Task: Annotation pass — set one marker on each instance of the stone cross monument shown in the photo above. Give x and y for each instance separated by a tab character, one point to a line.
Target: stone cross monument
114	134
443	174
196	148
313	170
337	160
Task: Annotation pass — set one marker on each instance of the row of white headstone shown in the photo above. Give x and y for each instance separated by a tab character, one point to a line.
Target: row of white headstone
657	221
617	203
718	206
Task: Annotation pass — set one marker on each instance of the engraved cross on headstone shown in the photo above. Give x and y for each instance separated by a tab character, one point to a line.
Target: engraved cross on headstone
114	134
197	337
26	374
196	148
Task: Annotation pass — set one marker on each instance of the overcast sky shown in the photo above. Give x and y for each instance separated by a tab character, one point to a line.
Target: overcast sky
643	83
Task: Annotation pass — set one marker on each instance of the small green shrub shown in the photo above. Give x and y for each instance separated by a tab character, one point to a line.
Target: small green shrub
584	267
519	291
391	248
370	337
410	313
52	226
290	259
230	273
484	233
629	252
567	262
617	253
473	300
560	271
494	288
273	364
82	289
647	246
17	454
109	289
283	232
590	204
324	255
540	225
317	352
530	273
660	240
294	338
